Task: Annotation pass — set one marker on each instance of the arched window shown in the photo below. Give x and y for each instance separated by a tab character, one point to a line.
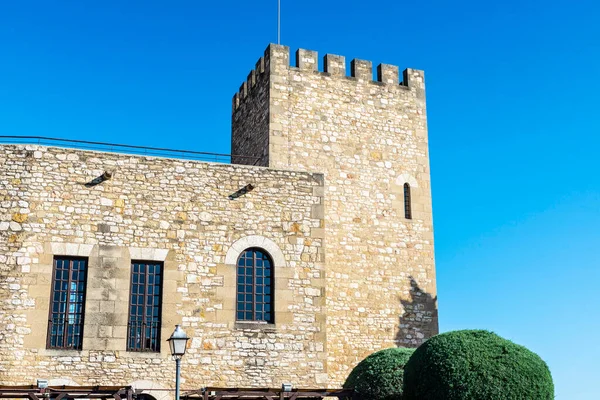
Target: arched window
255	286
407	206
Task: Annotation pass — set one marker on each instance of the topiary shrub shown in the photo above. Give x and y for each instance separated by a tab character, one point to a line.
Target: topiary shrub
475	365
380	375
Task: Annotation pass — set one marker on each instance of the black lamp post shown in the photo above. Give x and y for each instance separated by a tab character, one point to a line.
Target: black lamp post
177	343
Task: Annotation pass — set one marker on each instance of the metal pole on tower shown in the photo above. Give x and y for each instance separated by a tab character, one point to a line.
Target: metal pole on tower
278	21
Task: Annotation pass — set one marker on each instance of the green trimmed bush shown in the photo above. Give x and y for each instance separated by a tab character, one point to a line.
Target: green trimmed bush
475	365
380	375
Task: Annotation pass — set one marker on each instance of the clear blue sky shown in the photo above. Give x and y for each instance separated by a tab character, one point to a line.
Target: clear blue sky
514	127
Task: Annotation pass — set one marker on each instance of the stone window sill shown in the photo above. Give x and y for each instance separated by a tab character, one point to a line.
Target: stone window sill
86	352
263	326
62	353
142	354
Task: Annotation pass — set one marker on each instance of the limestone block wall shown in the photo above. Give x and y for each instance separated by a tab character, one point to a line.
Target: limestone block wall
368	137
178	212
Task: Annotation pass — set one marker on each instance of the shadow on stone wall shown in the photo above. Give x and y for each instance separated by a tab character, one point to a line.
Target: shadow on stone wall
420	318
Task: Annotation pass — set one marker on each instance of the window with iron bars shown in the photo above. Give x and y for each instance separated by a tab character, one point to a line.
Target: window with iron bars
145	299
407	205
67	303
255	287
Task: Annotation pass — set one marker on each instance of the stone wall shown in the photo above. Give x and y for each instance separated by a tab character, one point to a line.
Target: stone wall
250	119
178	212
369	138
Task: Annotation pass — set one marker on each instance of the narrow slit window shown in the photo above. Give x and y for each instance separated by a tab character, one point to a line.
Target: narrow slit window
407	202
254	287
67	303
145	300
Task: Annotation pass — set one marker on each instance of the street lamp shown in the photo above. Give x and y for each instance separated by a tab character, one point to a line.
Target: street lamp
177	343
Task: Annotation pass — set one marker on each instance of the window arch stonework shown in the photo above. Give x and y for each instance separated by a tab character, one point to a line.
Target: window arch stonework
255	241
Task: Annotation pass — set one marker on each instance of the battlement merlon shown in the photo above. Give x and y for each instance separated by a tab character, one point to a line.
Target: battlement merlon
276	60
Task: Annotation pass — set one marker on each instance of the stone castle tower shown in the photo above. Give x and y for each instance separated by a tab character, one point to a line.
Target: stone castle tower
369	138
330	183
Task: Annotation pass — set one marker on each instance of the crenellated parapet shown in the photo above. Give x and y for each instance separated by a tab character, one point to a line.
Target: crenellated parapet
249	84
276	60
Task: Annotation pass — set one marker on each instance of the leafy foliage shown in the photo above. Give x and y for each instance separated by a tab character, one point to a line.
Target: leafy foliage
380	375
474	365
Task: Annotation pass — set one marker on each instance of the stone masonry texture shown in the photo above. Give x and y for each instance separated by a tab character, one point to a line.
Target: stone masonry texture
368	137
177	211
352	274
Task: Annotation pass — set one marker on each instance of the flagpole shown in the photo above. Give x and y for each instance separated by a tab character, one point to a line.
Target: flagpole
278	21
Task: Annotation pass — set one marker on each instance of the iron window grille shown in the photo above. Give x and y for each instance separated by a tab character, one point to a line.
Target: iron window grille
407	205
255	286
145	299
67	303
